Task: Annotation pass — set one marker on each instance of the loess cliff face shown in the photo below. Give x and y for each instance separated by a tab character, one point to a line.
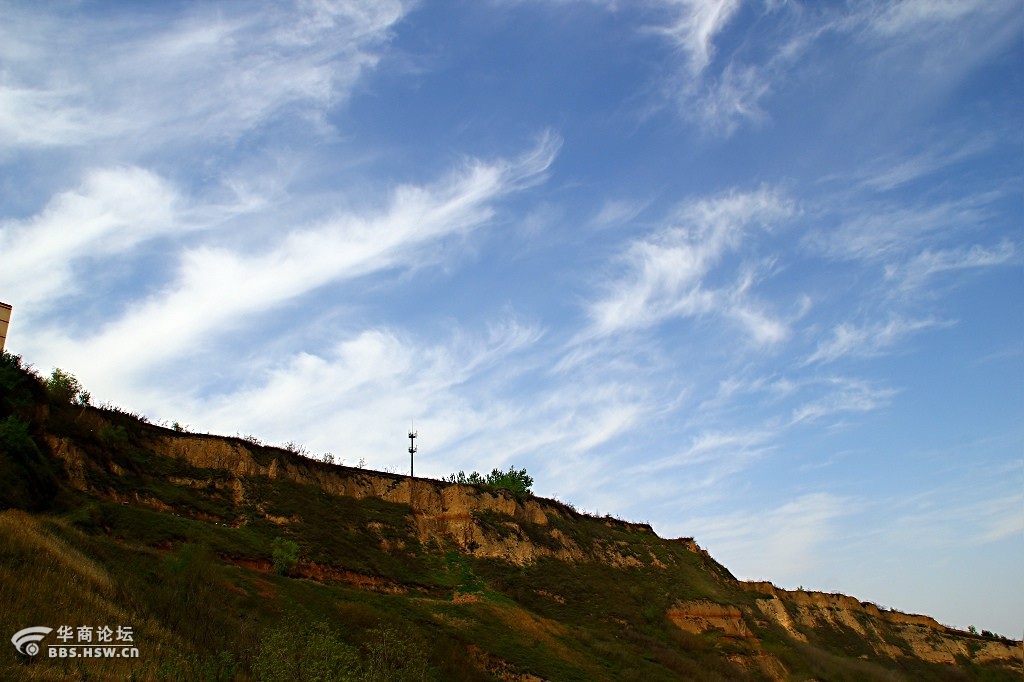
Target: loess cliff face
439	510
493	523
483	565
889	633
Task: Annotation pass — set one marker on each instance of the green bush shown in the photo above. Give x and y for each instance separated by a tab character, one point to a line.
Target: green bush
15	439
113	434
395	655
517	481
462	479
63	387
295	650
28	477
285	555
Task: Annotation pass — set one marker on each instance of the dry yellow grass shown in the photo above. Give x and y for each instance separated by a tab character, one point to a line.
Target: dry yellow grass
46	581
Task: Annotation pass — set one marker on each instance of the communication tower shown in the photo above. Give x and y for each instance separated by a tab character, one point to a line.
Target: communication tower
412	449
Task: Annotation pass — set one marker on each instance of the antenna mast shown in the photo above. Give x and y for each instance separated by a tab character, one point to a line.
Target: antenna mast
412	449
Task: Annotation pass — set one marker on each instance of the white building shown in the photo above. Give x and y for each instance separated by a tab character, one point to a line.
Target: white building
5	321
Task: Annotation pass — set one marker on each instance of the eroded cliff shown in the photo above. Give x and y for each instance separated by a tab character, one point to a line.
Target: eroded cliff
522	531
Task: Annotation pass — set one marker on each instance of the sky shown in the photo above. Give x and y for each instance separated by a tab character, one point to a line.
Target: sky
747	270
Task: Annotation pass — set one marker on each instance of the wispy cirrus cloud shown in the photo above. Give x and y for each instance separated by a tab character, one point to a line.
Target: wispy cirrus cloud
240	70
900	168
614	213
883	232
728	451
359	393
693	25
216	286
665	274
869	340
916	272
719	100
974	522
732	99
843	395
785	542
110	213
890	19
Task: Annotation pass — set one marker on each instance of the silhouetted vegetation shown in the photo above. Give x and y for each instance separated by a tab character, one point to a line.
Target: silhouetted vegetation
518	481
64	387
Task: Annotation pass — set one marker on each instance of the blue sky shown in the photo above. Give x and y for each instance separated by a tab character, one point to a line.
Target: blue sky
749	271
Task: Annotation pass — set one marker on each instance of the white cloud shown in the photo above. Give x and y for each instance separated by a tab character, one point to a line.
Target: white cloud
694	25
915	273
614	213
727	452
721	100
787	543
239	70
112	212
897	170
890	232
356	398
948	518
845	395
893	18
729	101
217	288
868	340
666	272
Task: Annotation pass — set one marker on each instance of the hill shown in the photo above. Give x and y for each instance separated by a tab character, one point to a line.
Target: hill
218	558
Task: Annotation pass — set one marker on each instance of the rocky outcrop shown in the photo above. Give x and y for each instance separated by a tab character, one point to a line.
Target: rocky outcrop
698	617
73	459
439	510
889	633
497	524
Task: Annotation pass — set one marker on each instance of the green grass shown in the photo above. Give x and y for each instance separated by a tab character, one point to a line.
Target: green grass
184	555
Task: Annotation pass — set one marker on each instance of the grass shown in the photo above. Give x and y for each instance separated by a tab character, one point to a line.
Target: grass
183	554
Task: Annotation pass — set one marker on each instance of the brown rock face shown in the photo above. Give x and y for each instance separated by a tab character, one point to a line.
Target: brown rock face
702	616
439	510
497	524
889	633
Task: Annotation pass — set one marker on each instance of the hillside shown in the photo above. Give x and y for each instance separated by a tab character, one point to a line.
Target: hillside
190	541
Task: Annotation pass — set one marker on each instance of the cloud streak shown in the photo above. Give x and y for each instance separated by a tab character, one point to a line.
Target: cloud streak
666	274
111	213
216	288
240	70
870	340
693	27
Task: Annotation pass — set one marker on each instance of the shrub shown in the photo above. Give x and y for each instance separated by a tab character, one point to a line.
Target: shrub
517	481
295	448
285	554
63	387
15	438
297	650
28	478
462	479
110	434
395	655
